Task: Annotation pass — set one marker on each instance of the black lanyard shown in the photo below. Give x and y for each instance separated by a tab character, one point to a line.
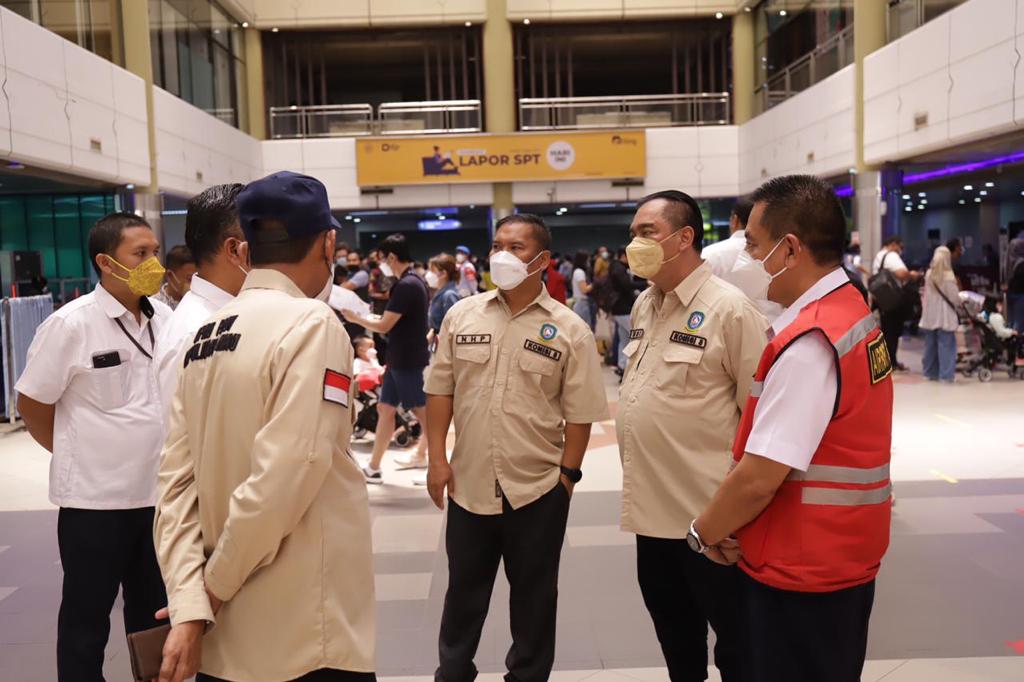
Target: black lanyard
152	341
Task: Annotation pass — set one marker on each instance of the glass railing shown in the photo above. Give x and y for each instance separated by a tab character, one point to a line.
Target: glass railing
831	56
392	118
907	15
635	111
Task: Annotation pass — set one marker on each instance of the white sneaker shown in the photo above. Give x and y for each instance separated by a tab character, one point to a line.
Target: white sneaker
373	477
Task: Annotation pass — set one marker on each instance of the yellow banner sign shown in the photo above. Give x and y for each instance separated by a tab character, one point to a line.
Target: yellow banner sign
501	158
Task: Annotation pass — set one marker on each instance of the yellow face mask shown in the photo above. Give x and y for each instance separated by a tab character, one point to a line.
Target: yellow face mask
145	279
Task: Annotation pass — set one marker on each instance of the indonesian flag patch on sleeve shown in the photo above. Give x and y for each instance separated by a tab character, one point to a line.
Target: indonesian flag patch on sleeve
336	387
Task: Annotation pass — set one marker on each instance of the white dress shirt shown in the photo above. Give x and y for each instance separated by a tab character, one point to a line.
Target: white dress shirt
721	256
197	306
893	262
799	392
107	430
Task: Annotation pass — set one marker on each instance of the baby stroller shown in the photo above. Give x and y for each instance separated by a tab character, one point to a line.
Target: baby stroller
995	353
368	383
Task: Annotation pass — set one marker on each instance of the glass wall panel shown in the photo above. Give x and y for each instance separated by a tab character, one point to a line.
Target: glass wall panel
88	23
41	237
13	235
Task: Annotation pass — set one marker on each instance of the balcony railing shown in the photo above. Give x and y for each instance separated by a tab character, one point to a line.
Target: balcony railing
637	111
392	118
453	116
907	15
820	63
332	120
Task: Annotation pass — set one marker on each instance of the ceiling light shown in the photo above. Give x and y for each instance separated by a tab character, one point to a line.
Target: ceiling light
977	200
961	202
921	207
348	217
782	12
746	9
718	15
908	209
357	220
245	24
906	196
983	193
924	201
968	188
526	21
275	29
216	31
468	24
921	194
990	184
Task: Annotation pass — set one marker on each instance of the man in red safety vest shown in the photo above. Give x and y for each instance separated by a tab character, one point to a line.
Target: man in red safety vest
806	508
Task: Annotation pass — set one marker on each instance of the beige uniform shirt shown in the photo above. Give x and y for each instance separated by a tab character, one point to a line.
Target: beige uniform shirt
259	495
692	356
516	381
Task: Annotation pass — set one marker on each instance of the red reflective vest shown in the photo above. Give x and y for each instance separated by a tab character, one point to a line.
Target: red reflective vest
828	528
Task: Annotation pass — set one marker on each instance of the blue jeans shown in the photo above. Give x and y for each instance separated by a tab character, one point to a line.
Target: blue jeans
584	308
622	333
939	354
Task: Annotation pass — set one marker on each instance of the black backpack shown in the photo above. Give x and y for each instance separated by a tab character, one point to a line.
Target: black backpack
885	288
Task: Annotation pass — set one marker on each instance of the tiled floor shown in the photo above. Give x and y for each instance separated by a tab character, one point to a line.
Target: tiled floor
948	606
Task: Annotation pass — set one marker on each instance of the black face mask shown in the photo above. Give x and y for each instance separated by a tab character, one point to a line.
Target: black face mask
372	264
353	269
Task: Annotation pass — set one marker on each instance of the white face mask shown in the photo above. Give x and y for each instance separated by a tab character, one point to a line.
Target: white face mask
432	279
751	277
386	270
460	258
508	272
325	293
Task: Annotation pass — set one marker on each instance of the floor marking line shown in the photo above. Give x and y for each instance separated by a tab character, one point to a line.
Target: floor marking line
945	477
954	422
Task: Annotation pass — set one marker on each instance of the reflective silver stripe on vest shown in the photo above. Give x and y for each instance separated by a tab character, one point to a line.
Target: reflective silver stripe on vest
846	498
822	473
857	333
756	388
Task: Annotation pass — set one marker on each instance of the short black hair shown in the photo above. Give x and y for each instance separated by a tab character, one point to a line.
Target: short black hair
177	257
105	236
681	210
540	230
893	239
742	208
581	261
954	244
342	246
212	217
395	244
806	206
276	246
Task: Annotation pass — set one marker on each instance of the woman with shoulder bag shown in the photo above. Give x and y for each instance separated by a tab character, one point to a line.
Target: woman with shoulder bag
940	317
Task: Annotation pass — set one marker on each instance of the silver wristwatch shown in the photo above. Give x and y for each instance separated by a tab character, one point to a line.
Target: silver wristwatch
694	541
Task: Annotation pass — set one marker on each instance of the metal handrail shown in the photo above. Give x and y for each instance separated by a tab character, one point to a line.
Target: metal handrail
445	116
787	82
625	111
326	120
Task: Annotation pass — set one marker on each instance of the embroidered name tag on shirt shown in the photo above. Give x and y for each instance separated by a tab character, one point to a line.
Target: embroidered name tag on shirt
636	334
689	340
879	361
473	339
336	387
541	349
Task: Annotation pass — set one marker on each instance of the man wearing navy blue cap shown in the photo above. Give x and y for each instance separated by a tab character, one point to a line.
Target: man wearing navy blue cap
263	520
467	272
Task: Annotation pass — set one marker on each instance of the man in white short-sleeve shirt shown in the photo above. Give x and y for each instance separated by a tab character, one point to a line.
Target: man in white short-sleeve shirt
892	321
218	246
89	395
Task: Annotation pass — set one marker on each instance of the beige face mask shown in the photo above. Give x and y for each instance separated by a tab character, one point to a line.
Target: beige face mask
646	256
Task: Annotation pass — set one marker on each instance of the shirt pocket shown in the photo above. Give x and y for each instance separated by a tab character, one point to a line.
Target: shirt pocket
108	388
471	363
678	361
529	382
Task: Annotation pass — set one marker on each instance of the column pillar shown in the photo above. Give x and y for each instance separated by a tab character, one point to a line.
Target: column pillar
869	28
255	103
742	67
138	59
499	89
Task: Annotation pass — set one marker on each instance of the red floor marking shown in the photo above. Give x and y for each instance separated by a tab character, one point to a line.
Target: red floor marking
1018	646
1020	511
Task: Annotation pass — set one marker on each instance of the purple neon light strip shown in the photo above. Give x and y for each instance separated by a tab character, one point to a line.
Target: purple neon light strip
960	169
844	191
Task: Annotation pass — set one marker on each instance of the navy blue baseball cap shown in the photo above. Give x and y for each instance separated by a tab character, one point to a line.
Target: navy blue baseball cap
462	249
298	202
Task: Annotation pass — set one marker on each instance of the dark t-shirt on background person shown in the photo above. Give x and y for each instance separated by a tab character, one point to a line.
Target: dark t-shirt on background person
407	340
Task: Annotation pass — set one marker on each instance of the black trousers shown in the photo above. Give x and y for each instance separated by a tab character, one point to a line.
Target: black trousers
892	324
811	637
322	675
529	541
683	592
103	551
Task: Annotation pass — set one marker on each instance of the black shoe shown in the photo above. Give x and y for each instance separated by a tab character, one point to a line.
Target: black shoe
900	367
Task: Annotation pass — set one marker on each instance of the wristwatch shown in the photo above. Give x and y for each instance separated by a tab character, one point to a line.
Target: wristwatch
694	541
574	475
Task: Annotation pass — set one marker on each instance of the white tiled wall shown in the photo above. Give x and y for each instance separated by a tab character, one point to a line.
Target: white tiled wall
812	132
195	150
348	13
700	161
63	108
960	70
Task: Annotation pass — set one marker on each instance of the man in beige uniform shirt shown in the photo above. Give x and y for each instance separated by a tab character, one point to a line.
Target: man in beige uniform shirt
694	346
263	520
521	376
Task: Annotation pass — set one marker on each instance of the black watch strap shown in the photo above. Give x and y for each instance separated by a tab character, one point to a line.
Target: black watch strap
574	475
